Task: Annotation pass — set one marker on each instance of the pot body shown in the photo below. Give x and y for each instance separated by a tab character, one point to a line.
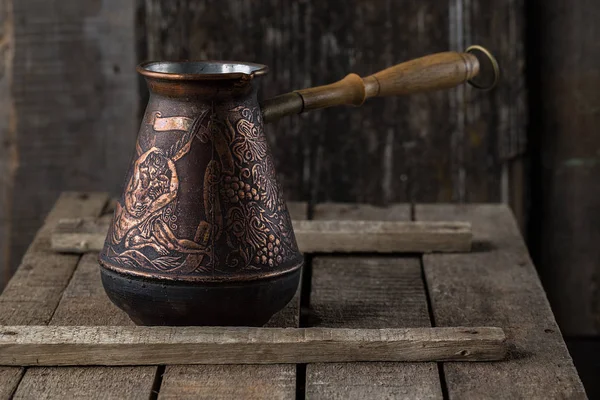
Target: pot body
201	234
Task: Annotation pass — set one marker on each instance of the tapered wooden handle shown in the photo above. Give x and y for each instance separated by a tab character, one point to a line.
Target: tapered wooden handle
432	72
436	71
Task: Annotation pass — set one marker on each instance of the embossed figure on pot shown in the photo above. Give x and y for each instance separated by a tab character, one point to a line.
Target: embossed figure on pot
201	234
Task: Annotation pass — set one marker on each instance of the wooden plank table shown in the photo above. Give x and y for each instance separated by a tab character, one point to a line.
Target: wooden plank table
494	285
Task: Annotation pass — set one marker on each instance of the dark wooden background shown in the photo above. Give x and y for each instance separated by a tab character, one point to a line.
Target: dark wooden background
70	103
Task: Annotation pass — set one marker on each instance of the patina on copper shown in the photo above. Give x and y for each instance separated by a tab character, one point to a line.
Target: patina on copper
201	234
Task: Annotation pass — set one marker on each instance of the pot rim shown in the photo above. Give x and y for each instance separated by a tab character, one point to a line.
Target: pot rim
199	70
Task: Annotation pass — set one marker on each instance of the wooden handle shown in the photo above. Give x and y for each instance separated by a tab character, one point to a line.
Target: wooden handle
432	72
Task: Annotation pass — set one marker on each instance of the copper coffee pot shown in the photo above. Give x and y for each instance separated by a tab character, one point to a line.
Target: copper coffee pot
201	234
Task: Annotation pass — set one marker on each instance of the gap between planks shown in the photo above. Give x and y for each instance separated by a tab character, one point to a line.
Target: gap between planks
140	345
81	235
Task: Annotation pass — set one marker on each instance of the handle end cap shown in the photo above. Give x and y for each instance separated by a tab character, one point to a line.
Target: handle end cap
489	71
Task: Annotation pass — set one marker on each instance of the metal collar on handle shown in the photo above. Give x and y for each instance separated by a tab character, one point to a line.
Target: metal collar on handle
483	54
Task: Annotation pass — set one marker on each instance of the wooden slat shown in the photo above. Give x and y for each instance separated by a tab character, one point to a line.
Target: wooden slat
86	383
9	380
276	381
8	151
368	293
35	290
497	284
382	236
361	212
239	381
79	235
85	303
26	345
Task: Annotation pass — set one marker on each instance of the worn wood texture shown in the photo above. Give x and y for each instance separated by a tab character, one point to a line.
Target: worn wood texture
85	303
315	236
368	292
382	237
497	284
565	121
86	383
8	159
488	128
276	381
239	381
24	345
428	147
75	103
85	297
34	292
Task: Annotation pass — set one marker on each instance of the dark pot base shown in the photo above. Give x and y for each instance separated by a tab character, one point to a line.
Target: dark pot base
159	302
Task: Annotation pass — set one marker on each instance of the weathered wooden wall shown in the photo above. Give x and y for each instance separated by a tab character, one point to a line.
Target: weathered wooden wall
69	107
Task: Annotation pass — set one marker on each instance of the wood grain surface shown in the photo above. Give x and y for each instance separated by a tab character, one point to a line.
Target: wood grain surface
315	236
499	287
350	292
138	345
35	290
497	284
85	303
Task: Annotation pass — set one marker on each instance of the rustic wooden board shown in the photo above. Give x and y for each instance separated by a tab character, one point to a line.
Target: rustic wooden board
234	381
86	383
8	159
361	212
239	381
85	297
497	284
382	237
24	345
253	382
75	100
35	290
82	235
368	293
85	303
